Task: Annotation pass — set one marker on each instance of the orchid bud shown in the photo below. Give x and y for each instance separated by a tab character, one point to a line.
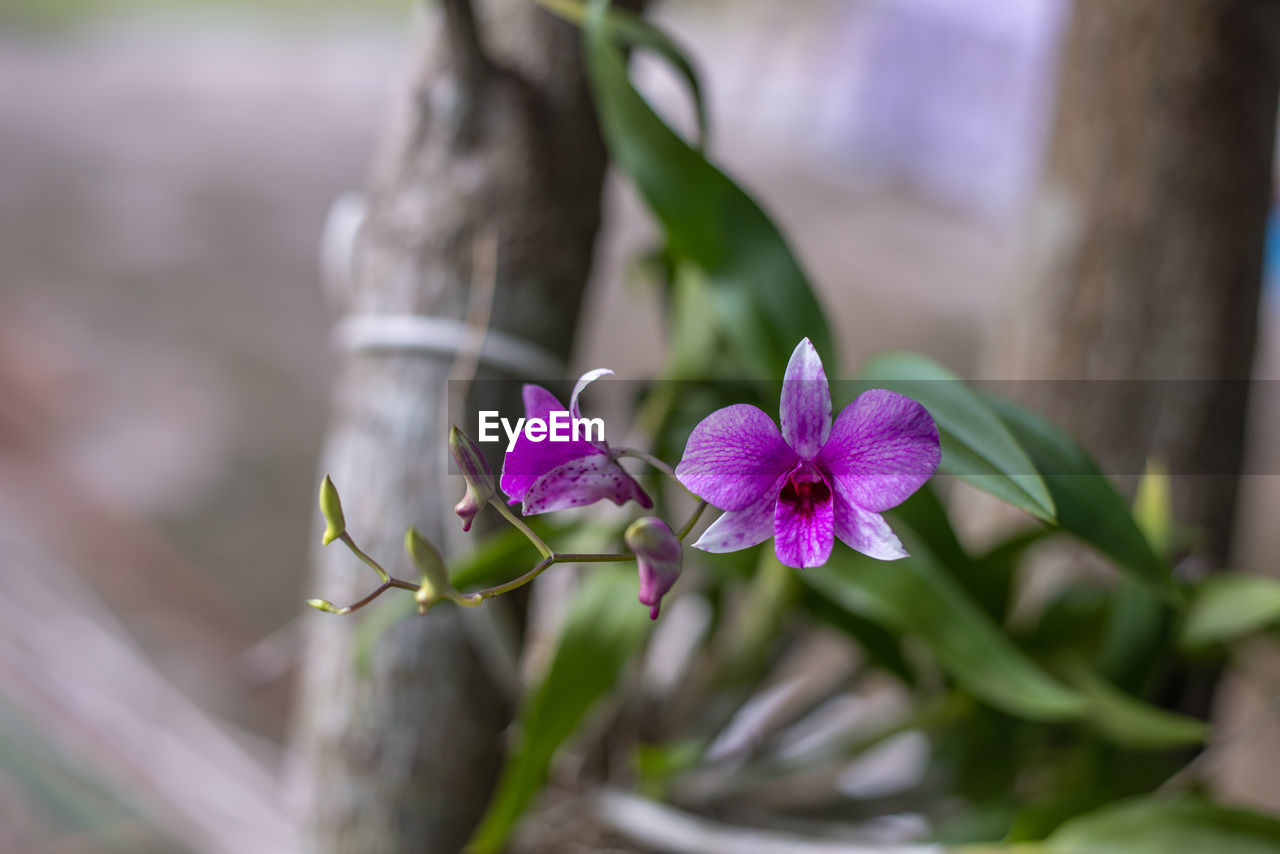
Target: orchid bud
481	484
427	559
327	606
426	596
658	557
331	507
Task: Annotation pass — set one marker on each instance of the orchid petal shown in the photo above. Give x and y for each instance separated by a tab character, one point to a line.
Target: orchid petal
527	460
585	380
803	523
865	531
582	481
733	457
883	447
805	409
741	529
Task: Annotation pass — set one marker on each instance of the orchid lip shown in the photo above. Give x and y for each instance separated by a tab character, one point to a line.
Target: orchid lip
805	488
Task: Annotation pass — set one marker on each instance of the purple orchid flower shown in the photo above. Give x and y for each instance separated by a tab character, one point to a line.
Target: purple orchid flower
548	476
815	480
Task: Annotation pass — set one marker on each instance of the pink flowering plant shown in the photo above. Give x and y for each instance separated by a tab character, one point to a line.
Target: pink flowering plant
815	481
747	670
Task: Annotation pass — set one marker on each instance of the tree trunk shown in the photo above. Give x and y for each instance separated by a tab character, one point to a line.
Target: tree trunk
497	140
1147	246
1147	243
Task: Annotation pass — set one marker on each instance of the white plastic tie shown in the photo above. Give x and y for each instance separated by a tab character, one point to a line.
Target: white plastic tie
443	336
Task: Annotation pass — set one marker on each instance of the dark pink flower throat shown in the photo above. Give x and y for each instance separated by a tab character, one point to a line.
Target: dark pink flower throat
805	490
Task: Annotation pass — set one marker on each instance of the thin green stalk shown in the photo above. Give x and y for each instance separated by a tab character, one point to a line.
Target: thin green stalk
693	520
370	562
649	458
542	566
521	526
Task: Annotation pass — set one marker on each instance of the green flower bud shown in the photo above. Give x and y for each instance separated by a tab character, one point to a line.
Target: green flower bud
481	484
428	560
426	596
327	606
331	507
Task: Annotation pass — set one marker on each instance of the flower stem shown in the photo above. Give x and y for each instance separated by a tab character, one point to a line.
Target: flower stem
370	562
507	586
660	465
545	564
390	582
521	526
356	606
549	559
693	520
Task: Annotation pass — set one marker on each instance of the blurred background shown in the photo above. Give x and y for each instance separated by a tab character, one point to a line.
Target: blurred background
166	170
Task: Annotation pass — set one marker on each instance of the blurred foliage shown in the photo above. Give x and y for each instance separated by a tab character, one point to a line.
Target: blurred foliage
51	16
64	799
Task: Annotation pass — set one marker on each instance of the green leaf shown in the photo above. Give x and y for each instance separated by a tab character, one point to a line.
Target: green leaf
976	447
1153	825
603	629
1088	504
914	596
634	31
1135	639
989	578
762	302
1129	722
927	517
1228	607
993	573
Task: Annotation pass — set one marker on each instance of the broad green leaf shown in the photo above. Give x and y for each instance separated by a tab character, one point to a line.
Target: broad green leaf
762	302
993	572
987	579
603	629
927	517
1135	639
1129	722
914	596
976	447
1228	607
1088	504
1156	825
634	31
